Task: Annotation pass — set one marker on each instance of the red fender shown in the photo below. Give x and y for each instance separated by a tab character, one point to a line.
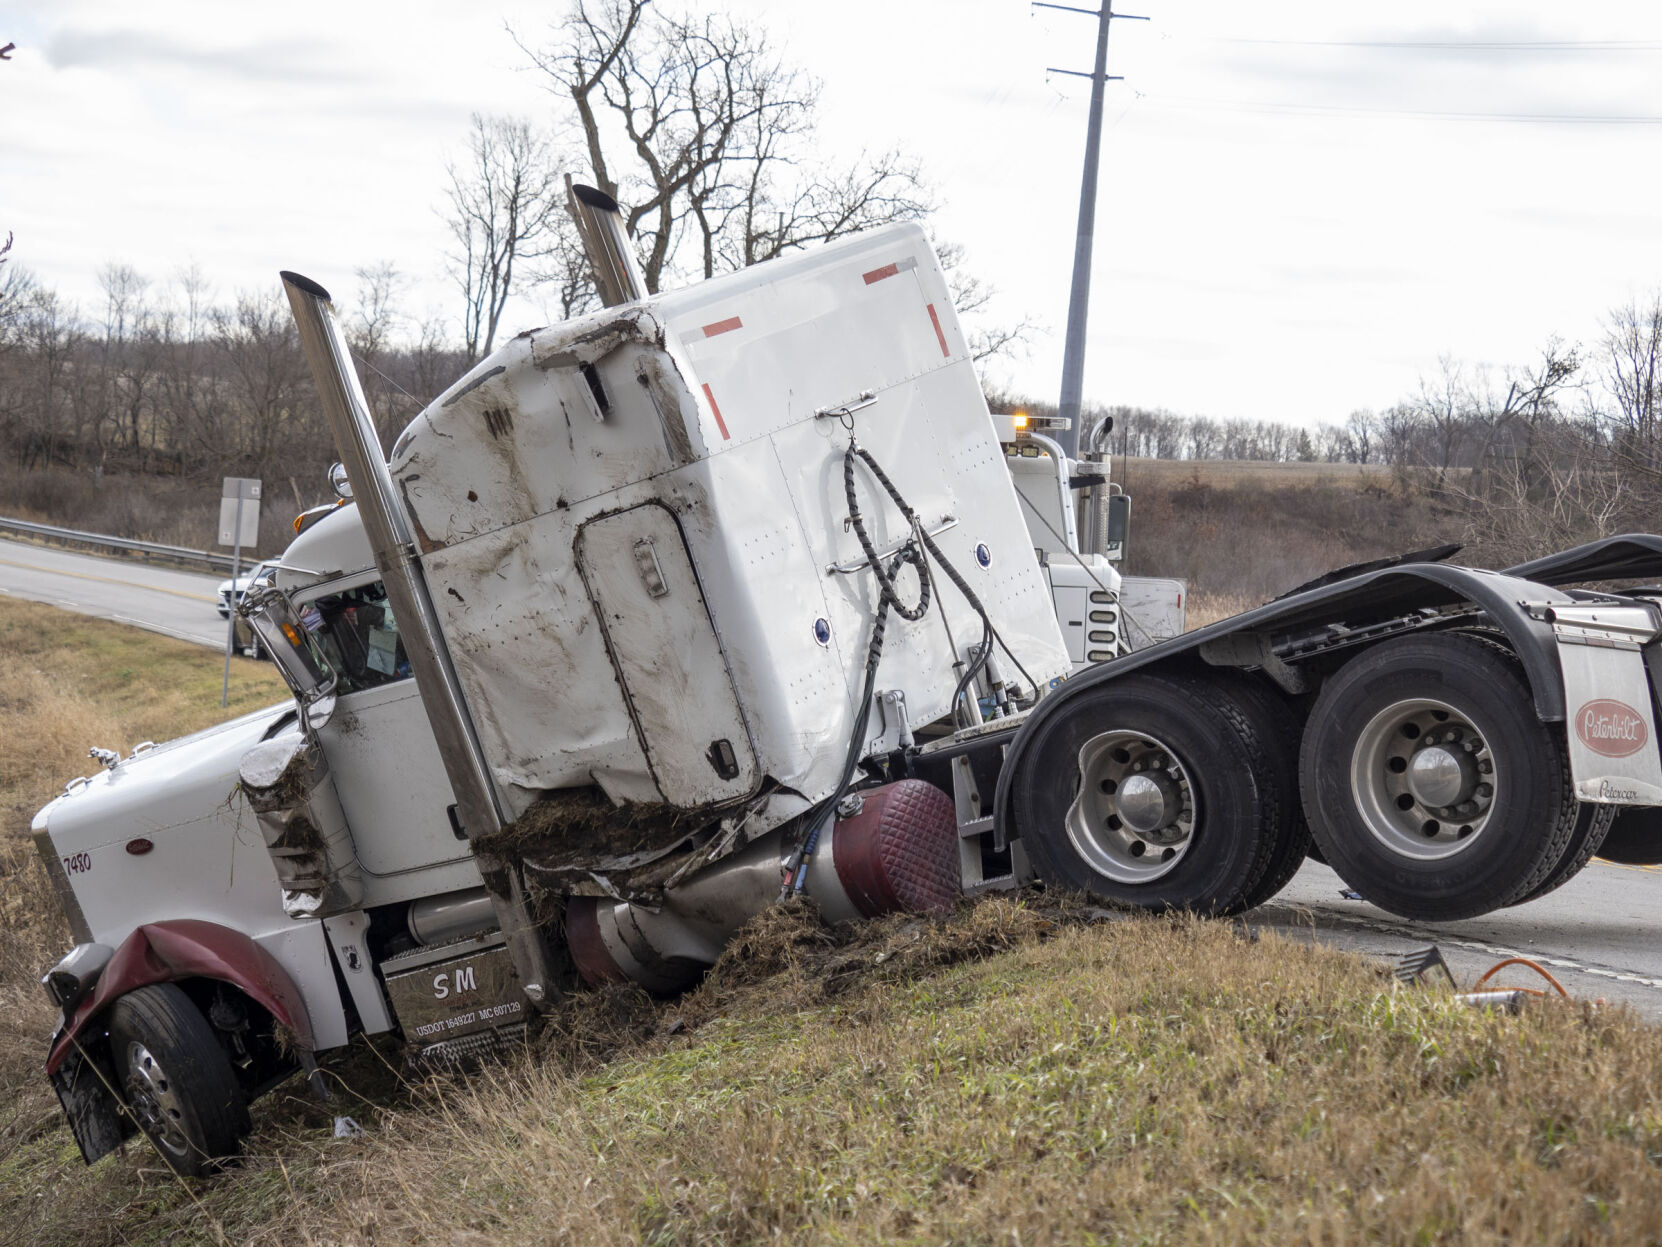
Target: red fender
189	948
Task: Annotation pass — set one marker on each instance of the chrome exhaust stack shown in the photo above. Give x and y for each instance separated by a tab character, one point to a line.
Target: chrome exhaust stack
617	274
389	531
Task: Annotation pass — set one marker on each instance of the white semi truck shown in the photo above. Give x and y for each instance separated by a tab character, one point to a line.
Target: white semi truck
714	597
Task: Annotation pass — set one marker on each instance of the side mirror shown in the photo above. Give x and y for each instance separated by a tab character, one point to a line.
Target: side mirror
1119	525
319	710
303	665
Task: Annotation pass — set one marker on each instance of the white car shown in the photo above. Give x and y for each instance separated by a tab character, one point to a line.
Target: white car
231	591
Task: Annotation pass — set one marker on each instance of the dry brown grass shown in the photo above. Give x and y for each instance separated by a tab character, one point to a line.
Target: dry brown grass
1135	472
1247	532
1208	608
1014	1072
1019	1079
68	682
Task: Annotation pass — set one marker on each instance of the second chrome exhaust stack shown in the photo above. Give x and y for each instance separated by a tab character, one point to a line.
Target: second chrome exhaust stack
388	528
617	274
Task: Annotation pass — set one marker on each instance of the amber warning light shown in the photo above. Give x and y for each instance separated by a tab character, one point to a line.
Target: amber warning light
1025	423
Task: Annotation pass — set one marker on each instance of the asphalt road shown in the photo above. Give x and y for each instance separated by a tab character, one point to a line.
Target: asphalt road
179	604
1600	934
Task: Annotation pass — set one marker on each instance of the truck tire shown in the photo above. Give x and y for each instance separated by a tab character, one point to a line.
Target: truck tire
1430	785
1198	828
1635	838
1592	826
177	1080
1279	731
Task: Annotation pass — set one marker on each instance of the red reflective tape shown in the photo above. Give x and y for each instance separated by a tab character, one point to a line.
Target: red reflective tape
878	274
720	423
939	336
723	326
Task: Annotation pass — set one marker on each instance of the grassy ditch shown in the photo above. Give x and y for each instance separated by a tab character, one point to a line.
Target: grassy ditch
68	682
1019	1072
1024	1070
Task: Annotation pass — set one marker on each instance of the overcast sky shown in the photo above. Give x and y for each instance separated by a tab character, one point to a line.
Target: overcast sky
1303	204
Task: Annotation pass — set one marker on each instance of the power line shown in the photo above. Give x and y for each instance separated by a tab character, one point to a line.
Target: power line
1460	45
1409	114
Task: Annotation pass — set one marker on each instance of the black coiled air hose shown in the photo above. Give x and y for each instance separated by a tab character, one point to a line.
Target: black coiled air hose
889	598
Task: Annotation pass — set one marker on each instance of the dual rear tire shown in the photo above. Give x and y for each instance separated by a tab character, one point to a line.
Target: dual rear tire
1422	773
1432	787
1182	794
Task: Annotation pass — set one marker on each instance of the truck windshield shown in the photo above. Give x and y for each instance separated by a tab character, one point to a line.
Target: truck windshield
357	635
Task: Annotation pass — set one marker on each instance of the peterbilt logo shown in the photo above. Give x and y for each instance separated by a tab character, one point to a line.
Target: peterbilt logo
1612	728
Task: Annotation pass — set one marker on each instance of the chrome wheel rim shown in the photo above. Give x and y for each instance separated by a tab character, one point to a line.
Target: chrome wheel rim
155	1100
1133	818
1423	778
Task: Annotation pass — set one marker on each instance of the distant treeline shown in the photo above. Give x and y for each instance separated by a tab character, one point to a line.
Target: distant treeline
169	384
1563	450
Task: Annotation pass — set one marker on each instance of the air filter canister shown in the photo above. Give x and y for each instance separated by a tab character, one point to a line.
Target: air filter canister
900	850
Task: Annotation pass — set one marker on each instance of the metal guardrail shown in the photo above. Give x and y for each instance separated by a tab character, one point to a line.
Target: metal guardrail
202	558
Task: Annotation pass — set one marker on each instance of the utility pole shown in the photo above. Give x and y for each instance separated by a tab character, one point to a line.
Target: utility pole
1079	299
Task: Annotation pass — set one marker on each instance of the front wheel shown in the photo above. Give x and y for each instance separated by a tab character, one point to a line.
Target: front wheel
1431	786
1147	791
178	1082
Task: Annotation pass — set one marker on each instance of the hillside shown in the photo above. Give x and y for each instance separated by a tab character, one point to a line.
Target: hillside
1027	1069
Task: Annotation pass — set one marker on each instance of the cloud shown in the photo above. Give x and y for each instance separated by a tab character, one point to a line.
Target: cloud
127	50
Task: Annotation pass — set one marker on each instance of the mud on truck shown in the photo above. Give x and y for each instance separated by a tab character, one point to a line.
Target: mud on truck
719	596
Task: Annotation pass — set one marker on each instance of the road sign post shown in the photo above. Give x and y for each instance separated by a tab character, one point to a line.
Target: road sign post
239	525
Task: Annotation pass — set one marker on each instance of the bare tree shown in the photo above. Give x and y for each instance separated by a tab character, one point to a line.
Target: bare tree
265	382
705	134
129	360
1443	407
502	197
1205	438
15	287
376	315
1632	368
1557	489
370	334
988	339
1362	428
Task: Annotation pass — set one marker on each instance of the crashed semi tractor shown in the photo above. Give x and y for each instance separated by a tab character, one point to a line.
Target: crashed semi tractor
724	595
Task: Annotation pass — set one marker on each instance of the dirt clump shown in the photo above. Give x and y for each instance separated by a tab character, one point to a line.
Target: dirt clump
589	1028
786	959
787	954
582	823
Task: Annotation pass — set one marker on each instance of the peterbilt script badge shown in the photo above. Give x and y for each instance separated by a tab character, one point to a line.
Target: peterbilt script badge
1611	728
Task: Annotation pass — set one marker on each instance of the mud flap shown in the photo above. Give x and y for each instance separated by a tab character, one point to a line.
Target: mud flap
96	1118
1609	714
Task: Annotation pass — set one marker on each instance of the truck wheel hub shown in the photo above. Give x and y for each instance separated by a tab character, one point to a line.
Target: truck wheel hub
1441	778
155	1100
1145	802
1423	779
1133	817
